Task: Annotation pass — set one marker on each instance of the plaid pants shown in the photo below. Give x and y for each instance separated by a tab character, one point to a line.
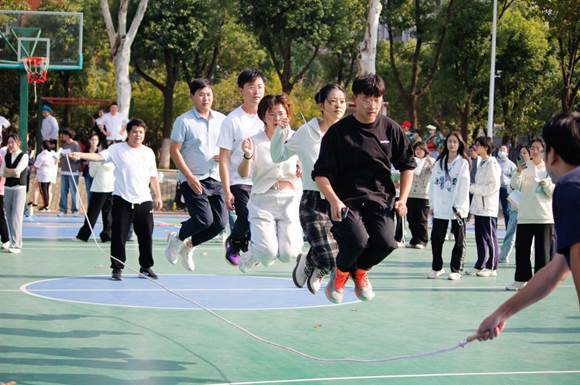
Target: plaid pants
316	225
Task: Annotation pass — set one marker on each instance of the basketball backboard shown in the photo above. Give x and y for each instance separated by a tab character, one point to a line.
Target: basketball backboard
56	35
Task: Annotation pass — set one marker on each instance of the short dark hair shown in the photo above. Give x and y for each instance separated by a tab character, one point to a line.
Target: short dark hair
113	104
135	123
485	141
562	133
68	131
538	140
249	75
322	95
47	145
270	101
420	144
369	85
198	84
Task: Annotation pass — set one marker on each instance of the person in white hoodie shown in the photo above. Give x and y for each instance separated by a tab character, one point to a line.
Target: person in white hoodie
535	218
485	206
449	200
46	170
314	208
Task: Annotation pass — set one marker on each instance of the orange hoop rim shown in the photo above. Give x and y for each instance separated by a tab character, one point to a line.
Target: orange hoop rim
36	67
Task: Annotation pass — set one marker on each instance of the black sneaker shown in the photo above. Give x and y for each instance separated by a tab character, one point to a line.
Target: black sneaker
117	275
147	272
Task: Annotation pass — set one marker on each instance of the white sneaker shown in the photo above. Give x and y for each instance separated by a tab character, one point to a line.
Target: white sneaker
419	246
401	245
301	271
247	263
6	246
515	286
314	281
186	253
362	285
173	247
454	276
15	250
435	274
61	214
486	273
473	271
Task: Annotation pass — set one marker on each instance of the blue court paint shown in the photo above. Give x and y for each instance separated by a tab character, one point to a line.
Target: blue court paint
217	292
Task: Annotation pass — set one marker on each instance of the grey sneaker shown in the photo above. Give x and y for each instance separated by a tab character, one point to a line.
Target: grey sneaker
301	271
172	250
314	281
247	262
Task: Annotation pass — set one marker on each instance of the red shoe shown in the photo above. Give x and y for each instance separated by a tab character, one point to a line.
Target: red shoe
362	286
335	286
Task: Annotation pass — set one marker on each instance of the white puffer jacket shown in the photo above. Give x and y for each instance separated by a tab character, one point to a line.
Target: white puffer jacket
485	190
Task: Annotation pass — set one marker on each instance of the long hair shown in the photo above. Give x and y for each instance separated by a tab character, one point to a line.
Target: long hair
444	155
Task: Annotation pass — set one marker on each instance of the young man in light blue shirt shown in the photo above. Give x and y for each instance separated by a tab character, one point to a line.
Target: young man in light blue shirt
195	152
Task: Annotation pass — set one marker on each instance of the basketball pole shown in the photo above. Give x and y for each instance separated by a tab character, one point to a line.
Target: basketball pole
23	109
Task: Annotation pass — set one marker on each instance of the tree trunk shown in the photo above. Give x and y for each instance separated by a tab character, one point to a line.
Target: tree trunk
164	158
122	82
368	48
412	108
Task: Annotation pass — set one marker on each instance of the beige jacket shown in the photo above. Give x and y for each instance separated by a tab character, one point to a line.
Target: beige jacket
536	204
422	178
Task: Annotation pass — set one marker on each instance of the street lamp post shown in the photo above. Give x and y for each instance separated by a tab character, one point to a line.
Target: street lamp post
492	73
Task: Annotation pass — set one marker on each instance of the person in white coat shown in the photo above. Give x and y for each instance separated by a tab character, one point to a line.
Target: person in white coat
449	200
275	198
484	207
314	208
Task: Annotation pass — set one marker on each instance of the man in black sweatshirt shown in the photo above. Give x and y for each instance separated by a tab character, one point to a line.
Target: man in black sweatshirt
353	172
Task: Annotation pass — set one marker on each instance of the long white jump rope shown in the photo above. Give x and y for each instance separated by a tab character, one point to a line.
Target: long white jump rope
460	344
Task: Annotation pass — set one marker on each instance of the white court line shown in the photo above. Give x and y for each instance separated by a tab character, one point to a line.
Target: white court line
162	290
426	375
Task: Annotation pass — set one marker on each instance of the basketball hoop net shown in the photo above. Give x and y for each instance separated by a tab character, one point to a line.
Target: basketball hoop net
37	68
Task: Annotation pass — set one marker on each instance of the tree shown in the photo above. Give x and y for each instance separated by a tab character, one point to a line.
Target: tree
368	48
429	20
120	41
286	27
562	17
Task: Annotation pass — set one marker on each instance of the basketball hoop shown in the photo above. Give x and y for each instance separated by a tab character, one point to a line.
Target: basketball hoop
37	68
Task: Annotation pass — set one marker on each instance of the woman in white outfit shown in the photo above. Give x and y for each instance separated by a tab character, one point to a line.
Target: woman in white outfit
14	169
46	170
277	188
314	209
449	200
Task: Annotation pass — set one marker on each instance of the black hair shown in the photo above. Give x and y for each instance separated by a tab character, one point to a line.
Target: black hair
68	131
14	137
538	140
113	104
198	84
47	145
562	133
485	141
420	144
270	101
444	155
369	85
322	95
249	75
135	123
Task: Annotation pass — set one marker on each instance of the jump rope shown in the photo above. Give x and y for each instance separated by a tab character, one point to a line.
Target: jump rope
460	344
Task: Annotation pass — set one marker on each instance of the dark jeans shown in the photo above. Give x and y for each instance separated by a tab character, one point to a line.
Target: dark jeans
45	193
207	212
141	216
3	225
240	234
417	216
438	233
505	205
542	235
486	242
100	203
398	226
365	237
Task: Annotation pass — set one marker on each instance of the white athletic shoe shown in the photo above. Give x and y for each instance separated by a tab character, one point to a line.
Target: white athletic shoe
301	271
6	246
400	245
362	285
186	254
314	281
247	262
15	250
172	250
435	274
515	286
486	273
454	276
474	271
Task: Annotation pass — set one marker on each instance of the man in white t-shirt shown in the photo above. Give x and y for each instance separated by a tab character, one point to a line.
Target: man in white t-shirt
135	170
240	124
114	125
195	152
